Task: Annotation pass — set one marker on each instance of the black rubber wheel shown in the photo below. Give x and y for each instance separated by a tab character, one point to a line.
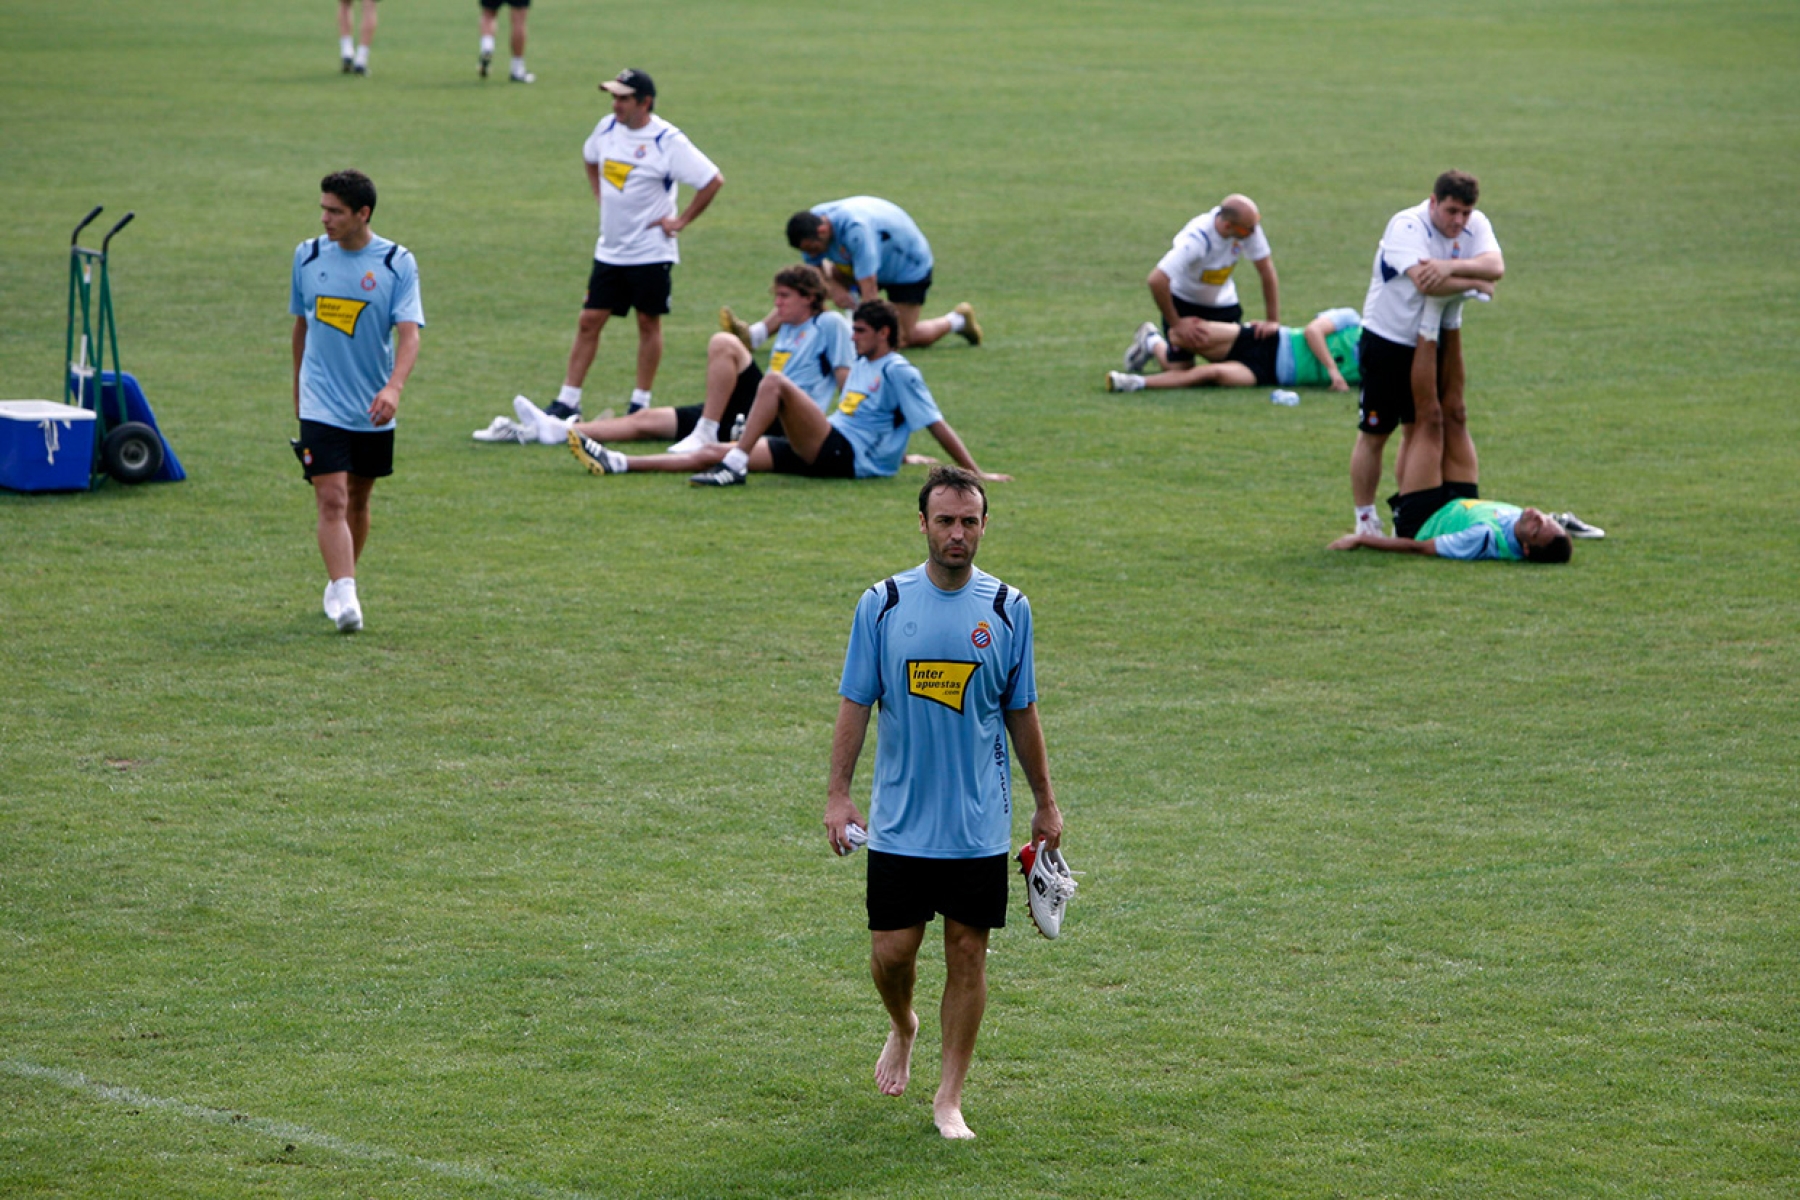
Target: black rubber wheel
132	452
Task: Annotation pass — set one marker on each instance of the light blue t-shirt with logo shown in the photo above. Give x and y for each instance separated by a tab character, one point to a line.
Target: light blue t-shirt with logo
872	236
811	354
884	402
351	301
945	667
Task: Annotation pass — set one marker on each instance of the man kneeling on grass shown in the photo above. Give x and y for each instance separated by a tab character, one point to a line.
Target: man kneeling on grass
885	400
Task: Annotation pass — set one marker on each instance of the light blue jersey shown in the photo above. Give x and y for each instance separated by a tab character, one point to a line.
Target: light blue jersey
1474	529
945	668
812	354
884	402
1294	361
351	302
873	237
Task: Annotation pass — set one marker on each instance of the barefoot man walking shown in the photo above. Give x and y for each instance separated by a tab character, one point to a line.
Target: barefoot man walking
945	649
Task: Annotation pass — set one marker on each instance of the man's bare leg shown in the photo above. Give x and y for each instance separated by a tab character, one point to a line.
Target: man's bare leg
650	349
586	345
914	332
356	513
1425	436
1203	374
644	425
1460	462
726	359
965	1000
893	964
1365	467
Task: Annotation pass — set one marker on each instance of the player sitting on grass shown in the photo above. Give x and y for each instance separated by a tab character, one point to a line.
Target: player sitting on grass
812	350
885	400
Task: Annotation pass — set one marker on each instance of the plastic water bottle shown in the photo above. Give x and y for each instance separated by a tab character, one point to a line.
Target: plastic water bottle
1284	397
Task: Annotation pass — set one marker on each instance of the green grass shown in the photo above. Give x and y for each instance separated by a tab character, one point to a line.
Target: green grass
1402	878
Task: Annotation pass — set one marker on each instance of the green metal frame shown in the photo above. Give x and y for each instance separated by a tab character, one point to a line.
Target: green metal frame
99	333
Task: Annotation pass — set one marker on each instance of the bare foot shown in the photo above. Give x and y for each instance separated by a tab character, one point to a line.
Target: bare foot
894	1067
950	1123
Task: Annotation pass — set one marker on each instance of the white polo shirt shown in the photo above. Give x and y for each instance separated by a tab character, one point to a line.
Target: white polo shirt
1200	263
639	169
1394	304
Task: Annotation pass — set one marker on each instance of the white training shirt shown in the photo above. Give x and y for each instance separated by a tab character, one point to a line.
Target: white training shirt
1200	263
639	169
1395	305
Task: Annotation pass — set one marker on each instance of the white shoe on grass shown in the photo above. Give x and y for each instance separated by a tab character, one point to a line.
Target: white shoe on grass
1139	353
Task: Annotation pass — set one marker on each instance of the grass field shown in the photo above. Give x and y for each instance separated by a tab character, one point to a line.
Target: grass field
1403	878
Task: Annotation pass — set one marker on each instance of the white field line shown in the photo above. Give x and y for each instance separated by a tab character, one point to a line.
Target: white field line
283	1131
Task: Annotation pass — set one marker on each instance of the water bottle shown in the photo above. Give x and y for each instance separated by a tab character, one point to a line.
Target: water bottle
1284	397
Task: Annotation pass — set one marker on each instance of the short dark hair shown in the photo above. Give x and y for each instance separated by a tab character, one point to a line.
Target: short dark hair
879	314
352	187
1558	549
957	479
803	226
1459	185
805	279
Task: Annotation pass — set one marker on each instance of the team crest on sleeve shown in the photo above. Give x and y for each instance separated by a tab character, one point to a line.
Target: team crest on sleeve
616	172
942	682
339	313
982	635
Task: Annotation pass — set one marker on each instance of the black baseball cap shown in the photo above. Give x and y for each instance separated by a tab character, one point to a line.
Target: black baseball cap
631	82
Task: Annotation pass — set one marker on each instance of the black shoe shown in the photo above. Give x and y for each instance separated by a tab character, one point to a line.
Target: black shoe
486	61
560	411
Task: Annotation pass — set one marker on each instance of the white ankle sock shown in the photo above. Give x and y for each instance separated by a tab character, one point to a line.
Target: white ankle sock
570	396
362	56
707	429
957	321
759	333
487	45
640	398
1366	512
737	460
347	47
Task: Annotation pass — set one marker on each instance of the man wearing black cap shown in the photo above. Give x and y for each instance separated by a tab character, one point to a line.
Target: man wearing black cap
634	160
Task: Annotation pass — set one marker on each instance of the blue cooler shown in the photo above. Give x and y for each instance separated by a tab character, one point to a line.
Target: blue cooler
45	447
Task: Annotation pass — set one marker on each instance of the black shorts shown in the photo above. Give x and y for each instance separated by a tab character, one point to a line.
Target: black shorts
1413	509
908	293
1231	314
1386	402
904	891
837	458
1256	353
326	449
494	5
731	422
618	290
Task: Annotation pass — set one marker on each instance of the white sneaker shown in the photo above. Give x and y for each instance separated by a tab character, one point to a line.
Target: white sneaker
1575	527
690	443
349	614
1048	886
1139	353
856	835
1371	526
331	601
503	429
543	428
1123	381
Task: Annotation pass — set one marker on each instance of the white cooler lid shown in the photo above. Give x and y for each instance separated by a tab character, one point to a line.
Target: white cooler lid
42	410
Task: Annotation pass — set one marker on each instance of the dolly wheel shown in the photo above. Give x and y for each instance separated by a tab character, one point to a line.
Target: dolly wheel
132	452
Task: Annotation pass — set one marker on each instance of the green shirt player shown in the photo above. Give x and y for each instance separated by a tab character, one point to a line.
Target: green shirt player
1324	353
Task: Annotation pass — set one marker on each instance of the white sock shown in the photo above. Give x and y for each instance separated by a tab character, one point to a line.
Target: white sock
1127	382
706	429
518	66
1159	345
1365	512
362	56
737	460
759	333
639	399
957	321
570	396
346	46
487	46
346	588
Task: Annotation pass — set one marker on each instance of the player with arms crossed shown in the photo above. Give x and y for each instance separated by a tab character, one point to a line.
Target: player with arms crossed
946	650
355	302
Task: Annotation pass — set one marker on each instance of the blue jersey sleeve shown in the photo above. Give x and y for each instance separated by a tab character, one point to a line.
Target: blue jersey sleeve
860	246
861	682
407	305
1021	677
839	350
1475	542
296	297
917	407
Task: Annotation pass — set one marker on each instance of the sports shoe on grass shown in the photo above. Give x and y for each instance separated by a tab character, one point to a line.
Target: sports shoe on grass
1138	353
523	77
563	411
595	457
331	601
1124	381
487	60
971	330
504	429
348	63
1048	886
349	614
736	326
1575	527
719	476
692	442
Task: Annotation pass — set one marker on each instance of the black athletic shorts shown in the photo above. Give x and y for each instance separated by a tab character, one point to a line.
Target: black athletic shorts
494	5
1387	401
837	458
618	290
1413	509
908	293
326	449
904	891
1256	353
1230	313
731	422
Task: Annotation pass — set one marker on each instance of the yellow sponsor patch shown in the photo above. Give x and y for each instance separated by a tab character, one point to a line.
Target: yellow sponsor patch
944	682
778	361
616	172
1216	276
850	402
339	313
